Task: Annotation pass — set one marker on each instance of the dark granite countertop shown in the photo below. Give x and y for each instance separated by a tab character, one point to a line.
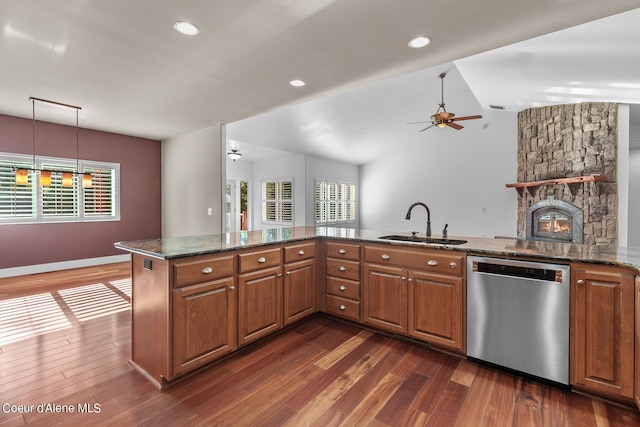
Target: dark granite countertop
179	247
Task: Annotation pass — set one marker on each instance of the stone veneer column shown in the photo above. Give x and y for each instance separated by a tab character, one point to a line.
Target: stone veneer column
572	140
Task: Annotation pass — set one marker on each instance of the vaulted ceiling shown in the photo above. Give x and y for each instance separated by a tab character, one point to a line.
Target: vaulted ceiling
122	62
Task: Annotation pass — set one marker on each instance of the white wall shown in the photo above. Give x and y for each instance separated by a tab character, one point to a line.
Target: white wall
460	175
331	170
286	166
191	183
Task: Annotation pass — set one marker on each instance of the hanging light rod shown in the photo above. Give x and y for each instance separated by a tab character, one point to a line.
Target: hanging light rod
54	103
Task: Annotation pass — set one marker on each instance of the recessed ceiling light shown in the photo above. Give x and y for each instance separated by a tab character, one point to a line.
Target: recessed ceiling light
420	41
297	83
186	28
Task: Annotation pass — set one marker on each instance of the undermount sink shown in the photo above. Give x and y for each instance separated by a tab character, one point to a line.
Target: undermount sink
428	240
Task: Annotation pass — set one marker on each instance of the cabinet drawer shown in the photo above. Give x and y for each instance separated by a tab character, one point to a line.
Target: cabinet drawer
441	262
252	261
343	307
343	251
343	269
202	269
299	252
343	288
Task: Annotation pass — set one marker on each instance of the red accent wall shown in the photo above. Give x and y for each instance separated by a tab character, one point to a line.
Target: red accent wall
140	194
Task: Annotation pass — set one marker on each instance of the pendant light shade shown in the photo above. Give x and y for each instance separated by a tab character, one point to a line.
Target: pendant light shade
67	179
45	178
87	180
22	177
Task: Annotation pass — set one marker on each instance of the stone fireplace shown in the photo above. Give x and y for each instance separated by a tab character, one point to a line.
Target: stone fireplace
565	141
555	220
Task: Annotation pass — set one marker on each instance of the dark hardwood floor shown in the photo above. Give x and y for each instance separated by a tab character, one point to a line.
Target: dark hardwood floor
67	344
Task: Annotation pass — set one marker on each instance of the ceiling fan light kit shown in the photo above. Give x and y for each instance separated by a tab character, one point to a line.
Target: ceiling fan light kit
442	118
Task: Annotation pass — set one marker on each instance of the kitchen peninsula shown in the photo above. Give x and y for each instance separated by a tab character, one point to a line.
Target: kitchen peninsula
197	299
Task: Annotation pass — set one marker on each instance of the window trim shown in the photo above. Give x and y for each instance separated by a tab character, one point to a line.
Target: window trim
327	215
38	214
278	201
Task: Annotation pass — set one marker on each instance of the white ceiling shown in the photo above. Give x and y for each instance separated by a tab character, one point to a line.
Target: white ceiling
122	62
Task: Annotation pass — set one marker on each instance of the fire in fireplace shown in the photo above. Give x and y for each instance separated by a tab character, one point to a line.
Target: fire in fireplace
555	220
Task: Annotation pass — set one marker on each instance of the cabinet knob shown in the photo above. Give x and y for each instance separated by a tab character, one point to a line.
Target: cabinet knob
342	268
385	256
262	260
207	270
432	262
288	273
580	282
300	252
453	264
404	278
342	251
231	288
342	288
342	307
409	279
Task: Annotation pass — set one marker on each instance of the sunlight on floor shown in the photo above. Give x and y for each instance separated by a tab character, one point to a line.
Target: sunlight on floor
25	317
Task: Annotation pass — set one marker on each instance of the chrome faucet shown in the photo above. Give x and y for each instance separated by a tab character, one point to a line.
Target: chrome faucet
428	216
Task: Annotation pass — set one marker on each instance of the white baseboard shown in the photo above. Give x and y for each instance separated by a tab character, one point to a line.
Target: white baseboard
64	265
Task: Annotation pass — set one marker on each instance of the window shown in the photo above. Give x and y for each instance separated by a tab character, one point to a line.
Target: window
335	202
55	202
277	201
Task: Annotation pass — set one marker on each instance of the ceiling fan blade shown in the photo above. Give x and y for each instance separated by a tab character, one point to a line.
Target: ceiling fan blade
454	125
468	118
428	127
424	121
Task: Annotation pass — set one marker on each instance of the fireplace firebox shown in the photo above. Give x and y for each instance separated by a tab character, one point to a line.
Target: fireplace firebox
555	220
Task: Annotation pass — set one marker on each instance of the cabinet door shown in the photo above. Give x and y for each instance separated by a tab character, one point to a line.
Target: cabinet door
299	291
204	319
385	298
436	309
602	342
638	342
259	304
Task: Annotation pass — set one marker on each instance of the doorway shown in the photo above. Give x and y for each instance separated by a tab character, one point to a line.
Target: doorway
237	206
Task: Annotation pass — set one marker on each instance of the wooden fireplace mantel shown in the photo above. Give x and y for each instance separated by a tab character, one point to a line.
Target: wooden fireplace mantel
569	180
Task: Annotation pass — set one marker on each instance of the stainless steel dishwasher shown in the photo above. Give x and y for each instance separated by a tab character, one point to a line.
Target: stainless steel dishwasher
518	316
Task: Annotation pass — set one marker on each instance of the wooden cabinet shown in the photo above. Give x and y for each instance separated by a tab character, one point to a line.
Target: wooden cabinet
417	292
299	282
343	279
637	362
204	311
385	298
436	309
260	289
602	331
204	319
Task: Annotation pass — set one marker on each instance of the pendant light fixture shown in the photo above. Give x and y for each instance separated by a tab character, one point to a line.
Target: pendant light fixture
234	154
22	174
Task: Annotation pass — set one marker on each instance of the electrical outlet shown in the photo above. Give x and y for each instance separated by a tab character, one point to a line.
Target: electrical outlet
209	211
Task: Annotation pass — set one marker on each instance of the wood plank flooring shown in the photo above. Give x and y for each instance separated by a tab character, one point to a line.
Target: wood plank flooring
74	353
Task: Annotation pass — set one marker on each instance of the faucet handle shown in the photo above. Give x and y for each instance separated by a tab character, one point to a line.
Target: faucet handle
413	233
444	231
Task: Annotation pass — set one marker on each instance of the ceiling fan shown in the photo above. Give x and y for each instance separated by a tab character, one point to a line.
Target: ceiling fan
442	118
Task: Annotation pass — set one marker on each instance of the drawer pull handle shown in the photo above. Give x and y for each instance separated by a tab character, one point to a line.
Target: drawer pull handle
342	268
580	282
385	256
342	251
432	262
279	274
207	270
300	252
232	288
288	273
342	288
342	307
453	264
262	260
